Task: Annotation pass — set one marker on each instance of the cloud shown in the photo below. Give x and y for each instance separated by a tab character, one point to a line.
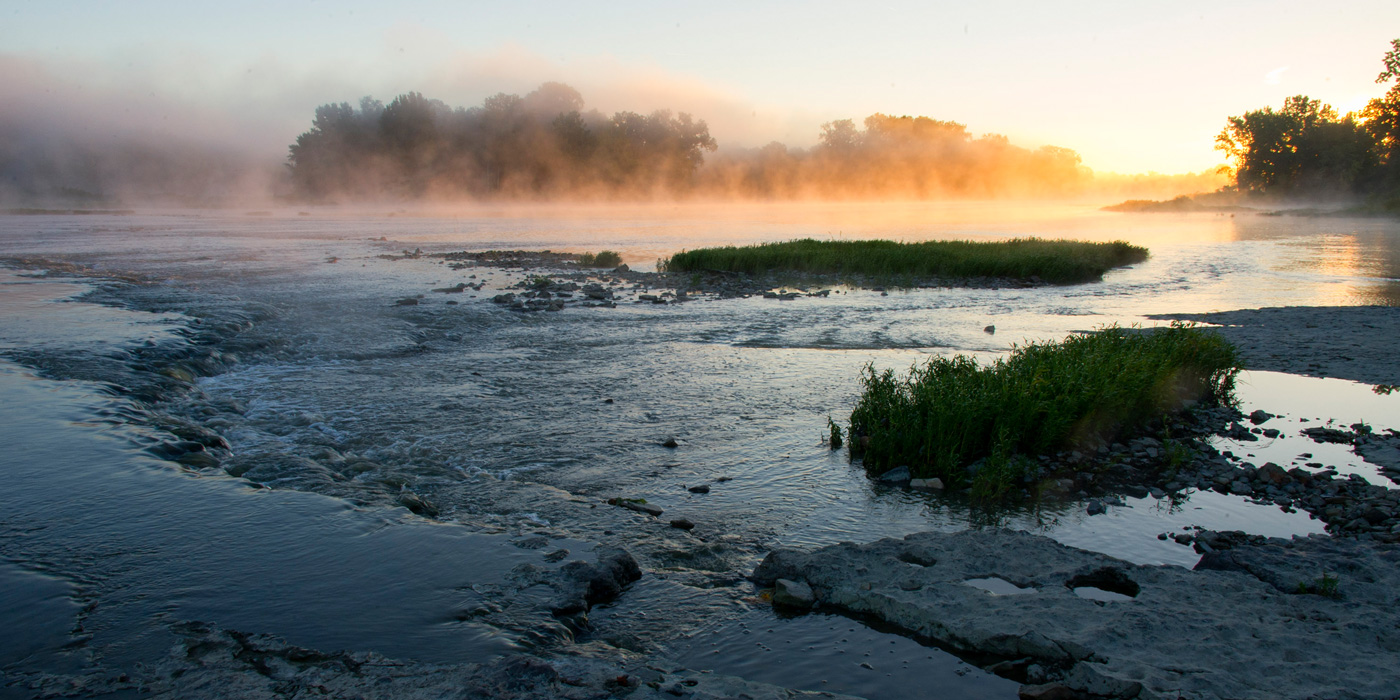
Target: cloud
1275	76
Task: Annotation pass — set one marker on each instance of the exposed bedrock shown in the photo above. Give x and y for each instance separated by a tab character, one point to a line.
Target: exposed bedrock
211	662
1254	622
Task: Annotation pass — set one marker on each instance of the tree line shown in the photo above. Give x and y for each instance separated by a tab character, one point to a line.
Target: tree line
545	144
540	143
1306	149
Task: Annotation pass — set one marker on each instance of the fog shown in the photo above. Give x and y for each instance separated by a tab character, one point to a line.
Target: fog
93	136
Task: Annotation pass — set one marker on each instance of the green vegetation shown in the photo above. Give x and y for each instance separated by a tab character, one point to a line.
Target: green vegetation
1059	262
1306	148
835	439
606	258
970	424
1326	585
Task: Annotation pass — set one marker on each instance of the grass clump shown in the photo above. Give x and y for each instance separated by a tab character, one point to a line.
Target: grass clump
1327	585
1058	262
606	258
976	425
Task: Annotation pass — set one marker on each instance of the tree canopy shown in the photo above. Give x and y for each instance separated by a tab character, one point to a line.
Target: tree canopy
1307	149
541	143
546	144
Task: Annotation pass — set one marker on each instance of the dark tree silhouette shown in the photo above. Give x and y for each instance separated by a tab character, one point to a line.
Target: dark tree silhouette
1306	149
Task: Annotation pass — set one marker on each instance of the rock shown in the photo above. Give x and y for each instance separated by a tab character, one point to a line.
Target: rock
671	443
1183	635
682	524
989	330
1374	515
503	299
703	488
1259	416
417	504
898	475
1273	474
636	504
1329	435
600	582
1240	433
1136	491
934	484
622	268
409	301
198	460
1047	691
793	594
1095	507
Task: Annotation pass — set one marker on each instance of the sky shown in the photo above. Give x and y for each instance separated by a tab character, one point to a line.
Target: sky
1132	86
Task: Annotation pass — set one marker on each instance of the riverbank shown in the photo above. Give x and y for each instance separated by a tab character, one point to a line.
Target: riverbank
1346	342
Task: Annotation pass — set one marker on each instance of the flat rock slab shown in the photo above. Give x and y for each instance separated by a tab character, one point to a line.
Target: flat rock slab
1346	342
1234	628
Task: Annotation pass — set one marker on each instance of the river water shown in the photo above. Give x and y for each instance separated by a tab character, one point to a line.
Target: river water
336	402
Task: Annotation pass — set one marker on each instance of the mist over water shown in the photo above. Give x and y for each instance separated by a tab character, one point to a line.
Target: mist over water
518	426
93	137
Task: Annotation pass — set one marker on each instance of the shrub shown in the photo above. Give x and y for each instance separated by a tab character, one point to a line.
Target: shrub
952	413
606	258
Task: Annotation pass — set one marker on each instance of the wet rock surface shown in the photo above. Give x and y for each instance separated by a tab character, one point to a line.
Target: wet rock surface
212	662
1240	626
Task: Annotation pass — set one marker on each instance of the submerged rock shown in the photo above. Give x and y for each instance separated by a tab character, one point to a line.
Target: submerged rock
590	583
792	594
934	484
898	475
637	504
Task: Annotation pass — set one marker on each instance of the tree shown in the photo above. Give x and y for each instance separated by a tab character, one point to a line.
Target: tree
1382	121
1302	148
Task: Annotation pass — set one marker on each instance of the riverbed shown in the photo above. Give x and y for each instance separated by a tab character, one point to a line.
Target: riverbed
390	467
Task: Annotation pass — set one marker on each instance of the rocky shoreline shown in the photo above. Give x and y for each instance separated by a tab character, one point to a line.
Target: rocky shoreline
557	281
1252	622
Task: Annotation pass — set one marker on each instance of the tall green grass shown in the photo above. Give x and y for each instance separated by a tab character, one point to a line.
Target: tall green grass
1057	262
1043	398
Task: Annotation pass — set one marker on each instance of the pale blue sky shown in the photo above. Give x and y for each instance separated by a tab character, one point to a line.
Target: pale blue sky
1131	86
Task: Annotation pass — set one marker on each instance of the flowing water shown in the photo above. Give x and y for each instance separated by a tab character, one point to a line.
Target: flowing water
336	402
